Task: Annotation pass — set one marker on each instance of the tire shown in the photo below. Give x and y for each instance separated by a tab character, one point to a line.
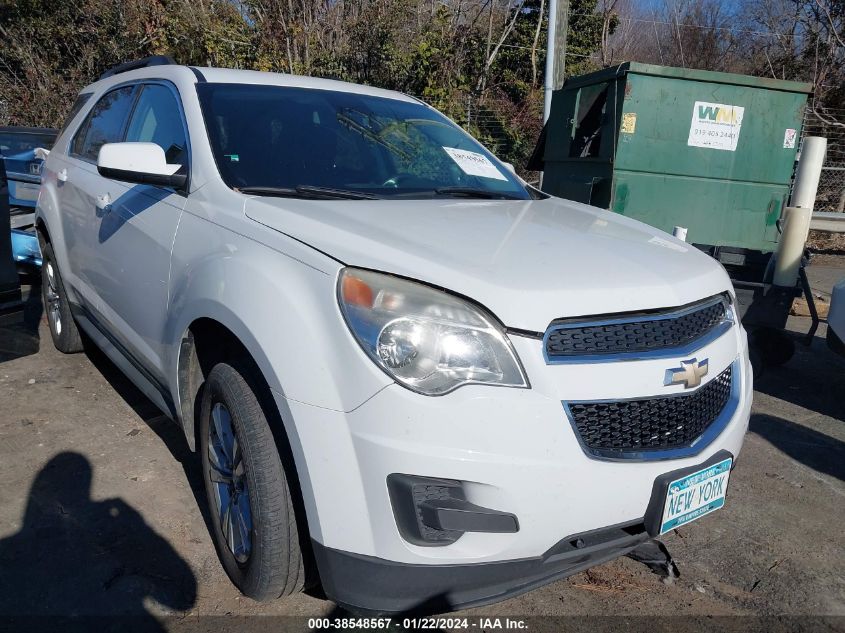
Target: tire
774	346
63	329
269	563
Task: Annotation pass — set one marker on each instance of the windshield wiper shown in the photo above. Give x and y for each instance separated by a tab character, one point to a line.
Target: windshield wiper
309	192
471	192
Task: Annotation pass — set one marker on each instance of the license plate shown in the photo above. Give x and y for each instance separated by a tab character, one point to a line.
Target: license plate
691	497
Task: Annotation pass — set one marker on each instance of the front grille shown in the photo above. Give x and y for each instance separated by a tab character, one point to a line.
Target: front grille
670	329
614	428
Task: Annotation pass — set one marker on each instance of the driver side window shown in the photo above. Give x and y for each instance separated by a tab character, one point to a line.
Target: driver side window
157	119
104	124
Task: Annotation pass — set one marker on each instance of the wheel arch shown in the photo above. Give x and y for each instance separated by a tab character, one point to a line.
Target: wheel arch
47	207
207	342
42	232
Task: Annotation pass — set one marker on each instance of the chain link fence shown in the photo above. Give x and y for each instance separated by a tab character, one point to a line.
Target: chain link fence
831	195
508	130
829	123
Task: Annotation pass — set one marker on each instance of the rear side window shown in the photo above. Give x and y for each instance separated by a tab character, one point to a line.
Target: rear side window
157	119
104	124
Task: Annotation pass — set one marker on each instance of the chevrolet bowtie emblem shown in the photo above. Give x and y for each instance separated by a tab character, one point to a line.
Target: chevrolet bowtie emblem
689	374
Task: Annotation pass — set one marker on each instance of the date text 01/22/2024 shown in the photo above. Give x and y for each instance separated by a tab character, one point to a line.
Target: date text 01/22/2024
420	623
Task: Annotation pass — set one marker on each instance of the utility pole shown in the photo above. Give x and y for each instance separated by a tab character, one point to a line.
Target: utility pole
555	51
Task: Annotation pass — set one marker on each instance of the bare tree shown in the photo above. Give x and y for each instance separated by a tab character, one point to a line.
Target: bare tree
535	42
492	49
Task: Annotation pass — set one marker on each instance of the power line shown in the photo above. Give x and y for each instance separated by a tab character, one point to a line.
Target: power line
543	50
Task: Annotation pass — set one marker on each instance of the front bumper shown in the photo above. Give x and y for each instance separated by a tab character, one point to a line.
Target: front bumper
373	585
512	450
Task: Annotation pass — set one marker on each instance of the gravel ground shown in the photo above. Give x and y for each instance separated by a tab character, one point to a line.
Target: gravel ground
102	513
826	242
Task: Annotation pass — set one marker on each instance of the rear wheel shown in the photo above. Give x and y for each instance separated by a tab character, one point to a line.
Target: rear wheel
63	328
254	524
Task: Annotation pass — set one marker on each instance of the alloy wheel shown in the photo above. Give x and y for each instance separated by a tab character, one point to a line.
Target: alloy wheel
228	477
54	308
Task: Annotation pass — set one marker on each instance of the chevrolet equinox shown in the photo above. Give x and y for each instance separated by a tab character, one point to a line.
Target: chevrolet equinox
402	367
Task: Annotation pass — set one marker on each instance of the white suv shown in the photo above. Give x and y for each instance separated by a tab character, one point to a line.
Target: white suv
402	367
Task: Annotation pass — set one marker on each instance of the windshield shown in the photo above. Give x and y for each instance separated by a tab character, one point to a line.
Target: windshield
17	142
267	138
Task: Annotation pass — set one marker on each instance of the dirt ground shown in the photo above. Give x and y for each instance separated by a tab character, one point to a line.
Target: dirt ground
102	512
826	242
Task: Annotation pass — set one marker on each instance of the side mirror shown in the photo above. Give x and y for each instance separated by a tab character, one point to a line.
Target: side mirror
142	163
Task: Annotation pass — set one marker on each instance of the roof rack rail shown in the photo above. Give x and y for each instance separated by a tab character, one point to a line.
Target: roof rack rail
154	60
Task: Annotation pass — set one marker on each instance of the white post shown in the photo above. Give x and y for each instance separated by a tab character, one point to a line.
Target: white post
809	171
796	227
799	213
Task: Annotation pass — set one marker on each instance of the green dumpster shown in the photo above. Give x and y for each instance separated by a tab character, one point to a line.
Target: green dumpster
712	152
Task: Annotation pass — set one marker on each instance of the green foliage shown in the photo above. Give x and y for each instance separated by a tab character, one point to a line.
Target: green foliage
434	50
216	36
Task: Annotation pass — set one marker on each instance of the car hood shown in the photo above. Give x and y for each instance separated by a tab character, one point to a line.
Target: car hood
528	262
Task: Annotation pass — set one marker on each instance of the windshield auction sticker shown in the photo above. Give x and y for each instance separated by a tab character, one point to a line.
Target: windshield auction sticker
473	163
715	125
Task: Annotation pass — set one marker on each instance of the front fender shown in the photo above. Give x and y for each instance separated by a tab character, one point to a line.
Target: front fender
47	209
282	309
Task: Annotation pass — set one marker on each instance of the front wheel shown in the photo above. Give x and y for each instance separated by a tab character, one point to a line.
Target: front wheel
254	524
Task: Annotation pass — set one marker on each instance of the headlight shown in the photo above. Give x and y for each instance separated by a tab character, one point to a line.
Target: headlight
426	339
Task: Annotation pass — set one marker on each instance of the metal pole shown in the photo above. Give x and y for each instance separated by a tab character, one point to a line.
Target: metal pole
555	52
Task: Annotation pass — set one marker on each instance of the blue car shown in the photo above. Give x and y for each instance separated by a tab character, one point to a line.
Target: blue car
25	248
23	170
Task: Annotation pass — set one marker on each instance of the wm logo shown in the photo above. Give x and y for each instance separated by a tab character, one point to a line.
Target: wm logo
717	114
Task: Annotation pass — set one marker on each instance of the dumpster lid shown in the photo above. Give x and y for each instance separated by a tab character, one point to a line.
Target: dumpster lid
687	74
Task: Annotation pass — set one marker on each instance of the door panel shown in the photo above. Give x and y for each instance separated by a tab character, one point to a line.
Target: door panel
78	215
135	237
77	188
134	234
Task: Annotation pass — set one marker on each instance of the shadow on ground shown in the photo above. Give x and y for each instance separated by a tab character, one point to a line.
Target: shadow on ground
808	380
76	557
172	435
820	452
22	338
166	430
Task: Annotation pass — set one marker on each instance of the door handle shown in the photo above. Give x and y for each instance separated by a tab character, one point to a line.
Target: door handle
103	202
61	176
